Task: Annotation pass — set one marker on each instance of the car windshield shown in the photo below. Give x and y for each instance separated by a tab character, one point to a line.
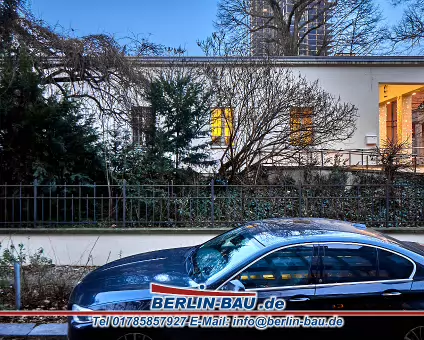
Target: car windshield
222	252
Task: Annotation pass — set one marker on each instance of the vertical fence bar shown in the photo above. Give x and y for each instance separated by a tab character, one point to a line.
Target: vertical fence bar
35	202
64	203
79	202
242	206
17	284
168	204
358	209
212	202
131	211
387	204
27	211
94	203
5	202
101	208
20	204
153	206
57	208
13	209
116	209
50	203
146	210
124	202
300	199
72	208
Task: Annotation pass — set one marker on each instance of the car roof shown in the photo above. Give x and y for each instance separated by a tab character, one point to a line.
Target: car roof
277	231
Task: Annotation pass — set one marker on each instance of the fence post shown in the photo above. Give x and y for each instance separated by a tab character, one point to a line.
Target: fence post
124	202
94	203
17	284
64	203
35	202
212	203
387	205
300	199
20	204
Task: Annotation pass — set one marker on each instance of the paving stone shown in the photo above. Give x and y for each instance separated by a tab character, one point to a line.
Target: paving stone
16	329
50	329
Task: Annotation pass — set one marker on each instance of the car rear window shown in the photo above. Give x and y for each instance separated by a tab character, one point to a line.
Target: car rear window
393	266
343	263
349	263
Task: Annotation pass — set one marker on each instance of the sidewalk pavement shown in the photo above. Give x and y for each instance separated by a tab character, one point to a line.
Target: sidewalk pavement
32	330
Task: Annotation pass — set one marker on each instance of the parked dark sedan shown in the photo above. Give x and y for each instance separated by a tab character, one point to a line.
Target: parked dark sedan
311	263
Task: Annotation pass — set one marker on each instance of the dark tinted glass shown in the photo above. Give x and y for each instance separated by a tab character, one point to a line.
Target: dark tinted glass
349	263
287	267
392	266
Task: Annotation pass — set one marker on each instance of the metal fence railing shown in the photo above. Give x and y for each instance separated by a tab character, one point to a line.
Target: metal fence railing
211	205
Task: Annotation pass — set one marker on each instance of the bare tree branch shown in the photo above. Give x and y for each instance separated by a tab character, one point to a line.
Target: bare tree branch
264	98
94	68
265	27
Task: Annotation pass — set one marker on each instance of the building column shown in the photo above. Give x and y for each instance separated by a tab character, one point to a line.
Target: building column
404	121
383	119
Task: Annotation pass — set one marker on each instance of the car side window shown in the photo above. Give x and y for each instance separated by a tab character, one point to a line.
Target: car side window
349	263
287	267
393	266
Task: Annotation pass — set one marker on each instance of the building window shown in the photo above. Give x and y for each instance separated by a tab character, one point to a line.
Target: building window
142	124
222	126
301	126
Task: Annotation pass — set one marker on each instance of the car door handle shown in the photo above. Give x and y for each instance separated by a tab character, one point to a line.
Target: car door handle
392	293
299	299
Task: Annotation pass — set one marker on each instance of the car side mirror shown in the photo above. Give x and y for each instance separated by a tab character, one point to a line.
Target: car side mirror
234	286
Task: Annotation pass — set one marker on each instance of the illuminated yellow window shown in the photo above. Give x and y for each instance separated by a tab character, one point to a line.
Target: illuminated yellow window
222	126
301	126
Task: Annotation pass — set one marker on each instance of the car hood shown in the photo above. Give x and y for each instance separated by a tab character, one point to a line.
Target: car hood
129	279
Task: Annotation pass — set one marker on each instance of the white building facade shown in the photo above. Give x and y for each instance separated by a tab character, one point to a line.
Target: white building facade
387	91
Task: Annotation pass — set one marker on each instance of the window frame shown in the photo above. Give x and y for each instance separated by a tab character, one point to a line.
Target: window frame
224	124
319	244
313	244
301	126
410	278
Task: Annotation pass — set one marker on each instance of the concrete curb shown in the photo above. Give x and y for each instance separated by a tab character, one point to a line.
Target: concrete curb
31	330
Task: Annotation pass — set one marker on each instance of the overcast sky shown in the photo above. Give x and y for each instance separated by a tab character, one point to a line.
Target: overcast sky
168	22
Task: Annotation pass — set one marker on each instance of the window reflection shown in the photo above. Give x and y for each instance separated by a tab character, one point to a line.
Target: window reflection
224	251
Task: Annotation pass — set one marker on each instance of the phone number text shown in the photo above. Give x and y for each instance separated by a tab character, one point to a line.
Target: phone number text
207	321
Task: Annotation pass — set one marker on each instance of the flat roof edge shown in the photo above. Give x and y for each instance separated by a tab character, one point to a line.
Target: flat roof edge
285	61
